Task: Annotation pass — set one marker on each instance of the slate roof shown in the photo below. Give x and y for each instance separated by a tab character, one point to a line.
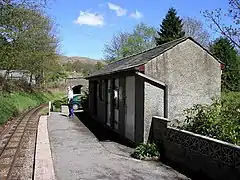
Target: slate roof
136	60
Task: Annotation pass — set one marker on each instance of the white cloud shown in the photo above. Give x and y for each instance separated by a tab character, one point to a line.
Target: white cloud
91	19
137	15
119	10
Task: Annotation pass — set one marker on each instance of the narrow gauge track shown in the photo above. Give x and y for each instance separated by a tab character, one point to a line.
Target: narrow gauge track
17	146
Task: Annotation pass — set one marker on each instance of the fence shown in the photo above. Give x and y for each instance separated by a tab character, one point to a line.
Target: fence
197	154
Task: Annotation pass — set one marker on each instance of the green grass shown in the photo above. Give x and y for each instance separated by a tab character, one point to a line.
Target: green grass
44	111
13	103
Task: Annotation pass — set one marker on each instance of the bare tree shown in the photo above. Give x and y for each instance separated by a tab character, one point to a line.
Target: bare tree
194	28
232	31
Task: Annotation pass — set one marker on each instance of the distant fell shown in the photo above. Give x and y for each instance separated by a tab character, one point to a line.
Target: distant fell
84	60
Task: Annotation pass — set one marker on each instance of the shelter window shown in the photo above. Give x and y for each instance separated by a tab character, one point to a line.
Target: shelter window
116	98
101	89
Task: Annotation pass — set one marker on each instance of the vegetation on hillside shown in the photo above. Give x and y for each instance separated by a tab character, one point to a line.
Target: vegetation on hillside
82	67
11	104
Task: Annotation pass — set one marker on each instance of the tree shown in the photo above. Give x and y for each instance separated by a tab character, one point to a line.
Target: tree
43	44
29	40
232	31
141	39
112	50
223	50
171	28
124	44
26	3
194	28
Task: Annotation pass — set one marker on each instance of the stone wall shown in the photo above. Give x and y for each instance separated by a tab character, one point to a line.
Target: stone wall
195	153
76	82
154	106
193	77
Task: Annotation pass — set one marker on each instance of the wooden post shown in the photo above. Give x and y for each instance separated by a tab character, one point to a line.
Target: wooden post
49	107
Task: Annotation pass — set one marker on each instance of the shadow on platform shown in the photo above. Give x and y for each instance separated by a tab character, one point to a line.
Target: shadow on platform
101	132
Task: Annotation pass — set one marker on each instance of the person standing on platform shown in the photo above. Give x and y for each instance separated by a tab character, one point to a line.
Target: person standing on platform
70	101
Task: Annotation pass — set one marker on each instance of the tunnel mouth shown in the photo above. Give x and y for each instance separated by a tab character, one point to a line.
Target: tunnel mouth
77	89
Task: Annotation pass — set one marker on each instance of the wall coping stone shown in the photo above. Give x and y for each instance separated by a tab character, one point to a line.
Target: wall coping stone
162	119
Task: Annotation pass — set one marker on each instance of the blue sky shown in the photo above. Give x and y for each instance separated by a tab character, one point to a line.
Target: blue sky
85	26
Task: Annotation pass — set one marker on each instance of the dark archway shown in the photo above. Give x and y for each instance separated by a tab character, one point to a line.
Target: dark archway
77	89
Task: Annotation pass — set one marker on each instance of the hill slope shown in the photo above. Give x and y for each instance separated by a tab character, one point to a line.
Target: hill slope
84	60
80	66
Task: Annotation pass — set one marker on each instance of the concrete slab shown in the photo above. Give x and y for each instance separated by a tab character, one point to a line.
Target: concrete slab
77	154
64	110
43	160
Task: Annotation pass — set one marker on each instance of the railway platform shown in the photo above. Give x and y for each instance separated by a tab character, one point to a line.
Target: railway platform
78	154
58	147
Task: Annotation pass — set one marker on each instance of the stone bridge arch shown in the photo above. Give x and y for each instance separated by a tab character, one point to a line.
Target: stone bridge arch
78	84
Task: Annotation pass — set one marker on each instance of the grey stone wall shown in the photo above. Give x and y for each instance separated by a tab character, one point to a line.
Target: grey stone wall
192	75
153	103
197	154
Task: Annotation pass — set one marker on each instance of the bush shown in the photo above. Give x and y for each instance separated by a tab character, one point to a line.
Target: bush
144	151
57	103
220	120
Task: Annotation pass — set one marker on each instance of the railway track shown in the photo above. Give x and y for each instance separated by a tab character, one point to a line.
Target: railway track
17	146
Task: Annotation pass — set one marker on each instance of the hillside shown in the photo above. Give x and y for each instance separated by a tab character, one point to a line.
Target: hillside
80	66
84	60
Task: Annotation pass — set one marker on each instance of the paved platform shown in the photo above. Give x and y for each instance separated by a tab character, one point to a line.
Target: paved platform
43	160
78	154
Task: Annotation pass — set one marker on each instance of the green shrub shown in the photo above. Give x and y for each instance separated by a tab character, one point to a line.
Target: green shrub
58	102
145	151
220	120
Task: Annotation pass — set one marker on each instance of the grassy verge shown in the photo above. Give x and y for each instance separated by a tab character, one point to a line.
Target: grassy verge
44	111
13	103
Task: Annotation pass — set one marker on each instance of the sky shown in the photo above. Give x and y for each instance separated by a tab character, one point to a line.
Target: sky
85	26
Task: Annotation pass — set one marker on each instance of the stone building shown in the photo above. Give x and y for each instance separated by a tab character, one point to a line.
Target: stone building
162	81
